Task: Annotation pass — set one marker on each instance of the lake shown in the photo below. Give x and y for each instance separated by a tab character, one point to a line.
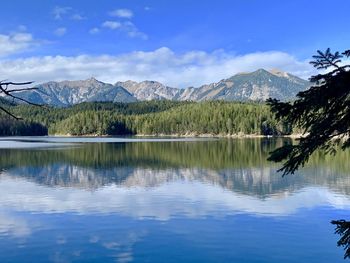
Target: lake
166	200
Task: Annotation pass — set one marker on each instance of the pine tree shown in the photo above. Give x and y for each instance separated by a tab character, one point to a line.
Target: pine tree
321	112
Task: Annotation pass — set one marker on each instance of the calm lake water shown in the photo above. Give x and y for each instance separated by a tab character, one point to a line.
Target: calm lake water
155	200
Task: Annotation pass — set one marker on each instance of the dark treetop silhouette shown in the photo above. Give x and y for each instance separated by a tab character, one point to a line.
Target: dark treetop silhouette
9	93
343	229
322	112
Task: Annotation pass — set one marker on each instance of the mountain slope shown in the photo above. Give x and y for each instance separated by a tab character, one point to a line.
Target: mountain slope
255	86
66	93
149	90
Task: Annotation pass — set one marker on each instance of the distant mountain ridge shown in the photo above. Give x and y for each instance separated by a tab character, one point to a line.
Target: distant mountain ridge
254	86
67	93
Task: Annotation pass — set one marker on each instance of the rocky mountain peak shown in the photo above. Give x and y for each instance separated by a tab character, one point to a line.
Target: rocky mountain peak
279	73
92	80
257	86
261	71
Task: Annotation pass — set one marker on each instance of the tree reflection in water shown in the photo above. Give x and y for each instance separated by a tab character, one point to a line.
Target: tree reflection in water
235	165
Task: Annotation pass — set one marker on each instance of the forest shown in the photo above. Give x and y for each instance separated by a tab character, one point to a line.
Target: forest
217	118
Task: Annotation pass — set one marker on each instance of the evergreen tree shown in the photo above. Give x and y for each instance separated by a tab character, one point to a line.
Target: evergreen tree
322	112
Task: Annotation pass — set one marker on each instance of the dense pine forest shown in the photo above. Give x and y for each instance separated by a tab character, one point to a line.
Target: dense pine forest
145	118
11	127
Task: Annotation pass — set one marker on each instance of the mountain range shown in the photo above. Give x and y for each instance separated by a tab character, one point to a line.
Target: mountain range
254	86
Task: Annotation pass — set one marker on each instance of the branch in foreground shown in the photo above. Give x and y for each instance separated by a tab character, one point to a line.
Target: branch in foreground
4	89
322	113
343	229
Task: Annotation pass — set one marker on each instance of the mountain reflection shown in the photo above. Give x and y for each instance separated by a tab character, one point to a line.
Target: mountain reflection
171	185
235	165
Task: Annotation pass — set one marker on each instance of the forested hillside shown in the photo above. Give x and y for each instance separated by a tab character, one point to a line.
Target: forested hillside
155	118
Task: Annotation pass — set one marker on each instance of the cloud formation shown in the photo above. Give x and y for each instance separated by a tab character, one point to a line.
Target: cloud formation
15	43
111	24
192	68
127	27
59	11
122	13
133	31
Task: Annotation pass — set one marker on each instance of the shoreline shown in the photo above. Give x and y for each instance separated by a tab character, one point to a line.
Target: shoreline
190	135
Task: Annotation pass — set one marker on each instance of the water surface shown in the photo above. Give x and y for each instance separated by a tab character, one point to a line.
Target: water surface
166	200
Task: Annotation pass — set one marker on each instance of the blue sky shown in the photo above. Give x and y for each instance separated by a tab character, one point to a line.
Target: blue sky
178	42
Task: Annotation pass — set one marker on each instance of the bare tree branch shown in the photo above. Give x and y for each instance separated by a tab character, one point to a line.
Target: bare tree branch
4	89
9	113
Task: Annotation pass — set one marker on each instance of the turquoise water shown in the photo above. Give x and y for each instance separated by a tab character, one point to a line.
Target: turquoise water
155	200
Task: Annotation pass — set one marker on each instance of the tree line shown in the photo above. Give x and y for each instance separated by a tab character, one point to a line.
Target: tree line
12	127
155	118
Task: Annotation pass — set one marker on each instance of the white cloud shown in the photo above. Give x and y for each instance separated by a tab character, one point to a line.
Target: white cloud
111	24
15	43
128	27
192	68
94	30
122	13
133	31
61	31
59	11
